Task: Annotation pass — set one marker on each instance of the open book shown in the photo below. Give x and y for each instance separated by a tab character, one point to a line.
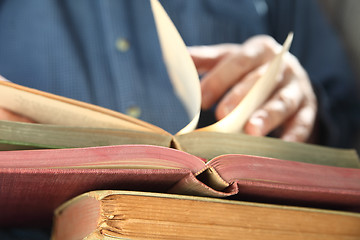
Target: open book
47	108
83	125
139	215
35	182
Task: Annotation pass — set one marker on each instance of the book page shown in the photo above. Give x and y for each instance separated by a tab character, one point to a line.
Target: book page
20	135
232	167
236	119
105	157
49	108
180	67
209	145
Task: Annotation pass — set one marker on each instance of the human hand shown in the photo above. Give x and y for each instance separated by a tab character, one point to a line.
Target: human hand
232	69
11	116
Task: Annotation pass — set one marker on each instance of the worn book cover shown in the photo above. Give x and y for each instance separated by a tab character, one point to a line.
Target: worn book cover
140	215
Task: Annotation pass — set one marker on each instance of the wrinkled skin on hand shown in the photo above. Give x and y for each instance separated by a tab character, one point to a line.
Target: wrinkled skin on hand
230	70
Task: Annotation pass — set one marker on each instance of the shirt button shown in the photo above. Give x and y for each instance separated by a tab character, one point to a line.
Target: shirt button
122	44
133	111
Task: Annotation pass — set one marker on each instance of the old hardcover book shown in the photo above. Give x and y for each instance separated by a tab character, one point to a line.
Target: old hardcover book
84	125
140	215
35	182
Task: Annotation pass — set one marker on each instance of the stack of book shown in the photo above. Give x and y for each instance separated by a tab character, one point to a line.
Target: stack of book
108	176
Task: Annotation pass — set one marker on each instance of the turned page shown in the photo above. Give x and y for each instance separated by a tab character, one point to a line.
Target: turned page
236	119
181	69
49	108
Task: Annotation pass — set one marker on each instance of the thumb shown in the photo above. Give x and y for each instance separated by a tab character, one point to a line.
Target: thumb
206	57
11	116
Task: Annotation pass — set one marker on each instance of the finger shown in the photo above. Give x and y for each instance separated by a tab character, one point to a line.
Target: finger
284	103
238	92
300	126
11	116
206	57
228	72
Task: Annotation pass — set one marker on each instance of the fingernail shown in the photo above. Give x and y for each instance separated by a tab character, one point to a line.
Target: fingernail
258	124
289	138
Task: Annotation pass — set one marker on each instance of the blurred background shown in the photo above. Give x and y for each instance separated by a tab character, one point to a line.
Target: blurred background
345	18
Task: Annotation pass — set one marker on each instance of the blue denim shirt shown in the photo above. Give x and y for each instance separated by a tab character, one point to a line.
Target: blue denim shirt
107	52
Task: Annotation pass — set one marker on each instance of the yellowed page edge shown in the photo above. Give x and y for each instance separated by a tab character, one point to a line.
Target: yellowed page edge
48	108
